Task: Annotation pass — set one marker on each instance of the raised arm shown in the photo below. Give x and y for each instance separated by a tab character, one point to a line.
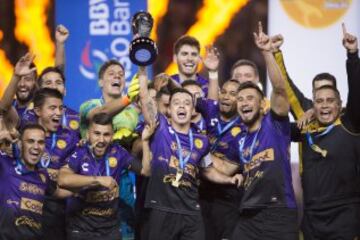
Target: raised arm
148	106
298	102
146	155
352	112
211	63
61	35
22	68
115	106
163	80
279	100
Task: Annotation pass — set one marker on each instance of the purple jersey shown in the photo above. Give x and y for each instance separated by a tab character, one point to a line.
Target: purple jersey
70	119
265	155
199	126
95	210
21	200
59	146
21	111
223	135
204	83
165	162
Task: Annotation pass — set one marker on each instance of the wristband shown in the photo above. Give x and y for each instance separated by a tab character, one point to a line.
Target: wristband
213	74
125	100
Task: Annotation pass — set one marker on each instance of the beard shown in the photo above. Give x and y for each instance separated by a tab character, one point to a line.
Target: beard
26	99
251	121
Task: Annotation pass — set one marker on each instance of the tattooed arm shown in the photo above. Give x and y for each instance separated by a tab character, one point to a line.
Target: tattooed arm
148	106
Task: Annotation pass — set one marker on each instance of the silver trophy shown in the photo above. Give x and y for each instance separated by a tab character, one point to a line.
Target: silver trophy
143	50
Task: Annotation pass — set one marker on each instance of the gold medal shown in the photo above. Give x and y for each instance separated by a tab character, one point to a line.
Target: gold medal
176	182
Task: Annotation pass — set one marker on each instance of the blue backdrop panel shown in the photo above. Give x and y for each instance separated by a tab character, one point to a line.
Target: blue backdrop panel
99	30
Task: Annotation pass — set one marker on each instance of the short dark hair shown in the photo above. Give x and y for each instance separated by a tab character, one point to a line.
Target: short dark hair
50	69
245	62
324	76
162	91
30	126
337	93
42	94
252	85
180	90
186	40
190	82
106	65
101	119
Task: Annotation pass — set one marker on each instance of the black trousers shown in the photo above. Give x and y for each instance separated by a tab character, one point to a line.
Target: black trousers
335	223
267	223
163	225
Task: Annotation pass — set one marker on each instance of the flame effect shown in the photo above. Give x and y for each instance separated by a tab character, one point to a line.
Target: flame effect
31	29
5	69
158	9
213	18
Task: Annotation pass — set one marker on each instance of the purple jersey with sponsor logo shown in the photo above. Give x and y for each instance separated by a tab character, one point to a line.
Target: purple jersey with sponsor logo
21	200
265	155
161	194
95	210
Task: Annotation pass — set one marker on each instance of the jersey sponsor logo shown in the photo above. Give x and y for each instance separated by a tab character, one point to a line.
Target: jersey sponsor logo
28	221
257	159
61	144
98	212
198	143
85	167
31	188
112	162
31	205
235	131
102	196
74	125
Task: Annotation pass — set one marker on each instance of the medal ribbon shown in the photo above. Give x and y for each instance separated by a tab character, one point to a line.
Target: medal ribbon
316	147
221	131
182	160
252	147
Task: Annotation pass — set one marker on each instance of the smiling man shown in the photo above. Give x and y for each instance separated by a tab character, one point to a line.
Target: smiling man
176	161
59	143
24	187
187	58
113	102
331	150
93	171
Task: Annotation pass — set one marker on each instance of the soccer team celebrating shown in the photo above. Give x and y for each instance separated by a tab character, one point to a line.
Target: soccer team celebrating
211	162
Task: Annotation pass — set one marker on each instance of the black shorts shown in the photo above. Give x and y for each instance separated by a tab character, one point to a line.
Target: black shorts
74	235
268	223
54	227
173	226
340	223
219	209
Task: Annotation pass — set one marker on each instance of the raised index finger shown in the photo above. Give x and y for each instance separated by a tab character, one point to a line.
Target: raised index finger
344	29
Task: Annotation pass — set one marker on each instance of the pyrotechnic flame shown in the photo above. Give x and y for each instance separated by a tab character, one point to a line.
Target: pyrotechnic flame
213	19
31	29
